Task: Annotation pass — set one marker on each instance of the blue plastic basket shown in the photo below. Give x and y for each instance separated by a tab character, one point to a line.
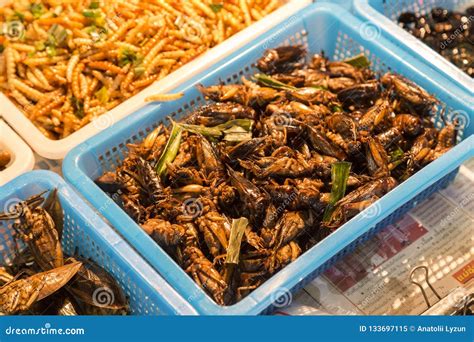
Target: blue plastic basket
381	17
148	293
319	27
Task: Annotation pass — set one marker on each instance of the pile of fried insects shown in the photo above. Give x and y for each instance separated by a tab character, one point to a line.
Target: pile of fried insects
41	279
244	185
450	33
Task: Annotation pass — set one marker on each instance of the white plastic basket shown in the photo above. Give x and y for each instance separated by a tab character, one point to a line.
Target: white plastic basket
22	156
382	15
57	149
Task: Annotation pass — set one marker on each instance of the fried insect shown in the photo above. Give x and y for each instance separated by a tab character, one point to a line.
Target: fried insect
413	98
288	227
219	113
359	95
254	200
204	273
282	257
35	226
359	199
21	294
93	286
281	59
215	229
163	232
377	159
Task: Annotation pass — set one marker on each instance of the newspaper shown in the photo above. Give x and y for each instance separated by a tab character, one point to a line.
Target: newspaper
375	278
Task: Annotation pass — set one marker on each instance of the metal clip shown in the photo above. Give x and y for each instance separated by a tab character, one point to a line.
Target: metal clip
457	302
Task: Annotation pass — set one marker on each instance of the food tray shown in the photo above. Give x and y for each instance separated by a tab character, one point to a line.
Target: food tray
320	26
23	159
148	293
381	17
57	149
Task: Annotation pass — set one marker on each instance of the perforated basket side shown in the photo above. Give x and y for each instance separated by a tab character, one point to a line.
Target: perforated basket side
85	234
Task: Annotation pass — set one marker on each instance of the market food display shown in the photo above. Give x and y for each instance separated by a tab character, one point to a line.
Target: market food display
41	279
66	63
450	33
5	158
244	185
